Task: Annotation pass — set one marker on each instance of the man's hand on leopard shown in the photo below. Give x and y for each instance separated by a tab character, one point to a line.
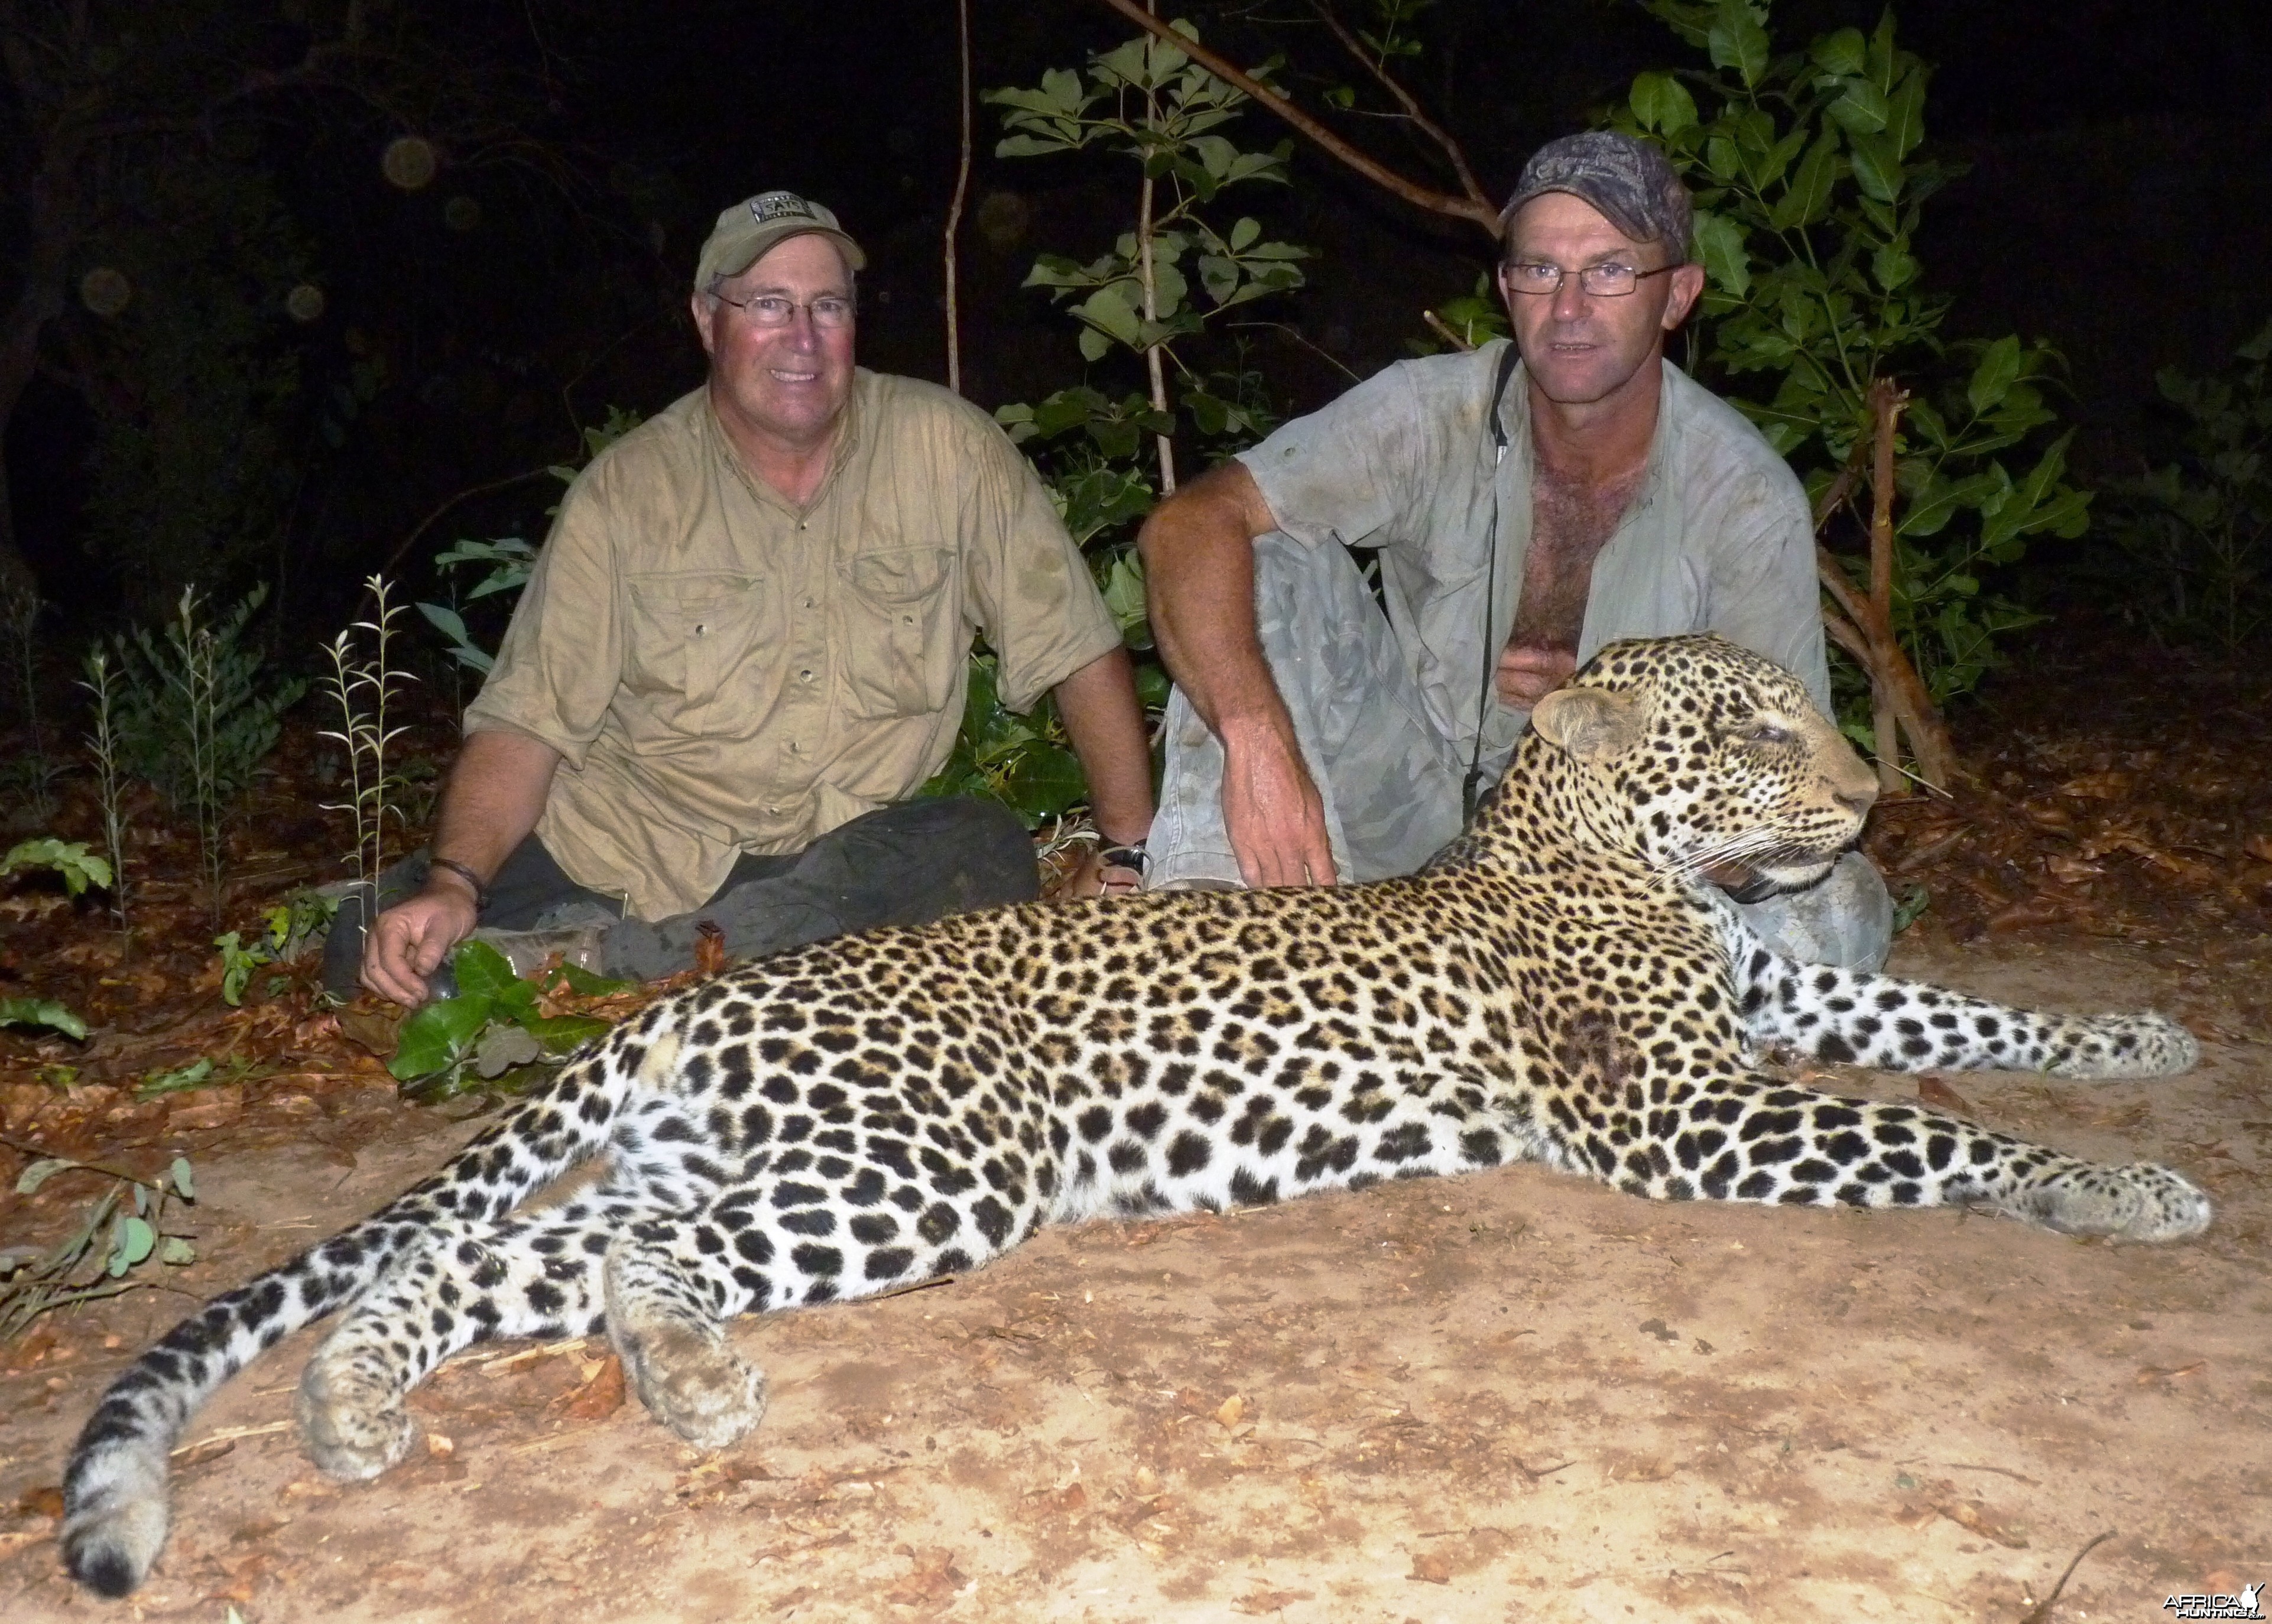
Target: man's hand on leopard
1527	675
1273	812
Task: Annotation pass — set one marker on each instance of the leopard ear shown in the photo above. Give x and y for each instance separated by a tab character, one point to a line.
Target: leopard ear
1591	723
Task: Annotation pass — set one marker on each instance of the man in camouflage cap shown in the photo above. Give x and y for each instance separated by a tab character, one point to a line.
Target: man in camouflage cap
1530	502
743	649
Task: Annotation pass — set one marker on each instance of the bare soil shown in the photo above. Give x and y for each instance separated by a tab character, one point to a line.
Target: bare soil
1510	1396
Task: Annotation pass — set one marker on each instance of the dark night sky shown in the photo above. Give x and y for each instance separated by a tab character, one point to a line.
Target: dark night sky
2118	207
2083	118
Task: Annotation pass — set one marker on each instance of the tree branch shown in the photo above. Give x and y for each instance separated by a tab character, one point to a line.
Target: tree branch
1479	214
1404	98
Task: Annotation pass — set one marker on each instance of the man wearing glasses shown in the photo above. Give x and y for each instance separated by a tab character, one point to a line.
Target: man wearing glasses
743	648
1529	503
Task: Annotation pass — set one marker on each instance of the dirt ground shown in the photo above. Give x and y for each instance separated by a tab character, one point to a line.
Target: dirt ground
1509	1396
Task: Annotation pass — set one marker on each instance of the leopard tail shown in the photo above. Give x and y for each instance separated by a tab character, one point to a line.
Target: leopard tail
115	1510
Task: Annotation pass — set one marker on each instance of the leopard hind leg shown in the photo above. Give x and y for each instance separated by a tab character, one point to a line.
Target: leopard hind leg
537	1276
668	1300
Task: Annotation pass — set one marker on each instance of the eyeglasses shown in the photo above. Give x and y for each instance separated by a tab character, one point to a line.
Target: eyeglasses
829	312
1603	281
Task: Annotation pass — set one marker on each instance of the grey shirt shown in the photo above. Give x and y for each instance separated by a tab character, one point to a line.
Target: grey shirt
1719	538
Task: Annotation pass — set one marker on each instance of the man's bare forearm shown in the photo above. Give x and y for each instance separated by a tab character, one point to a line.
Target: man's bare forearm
1199	569
1105	722
495	795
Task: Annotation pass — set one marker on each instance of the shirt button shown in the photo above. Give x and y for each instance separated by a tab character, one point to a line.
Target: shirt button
804	676
807	603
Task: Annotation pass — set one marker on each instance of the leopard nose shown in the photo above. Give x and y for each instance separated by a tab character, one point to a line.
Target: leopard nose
1857	801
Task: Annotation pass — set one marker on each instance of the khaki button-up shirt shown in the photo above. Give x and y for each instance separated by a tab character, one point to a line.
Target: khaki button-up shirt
1718	539
723	672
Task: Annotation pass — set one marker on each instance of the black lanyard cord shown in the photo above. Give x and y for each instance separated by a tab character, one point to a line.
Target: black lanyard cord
1470	788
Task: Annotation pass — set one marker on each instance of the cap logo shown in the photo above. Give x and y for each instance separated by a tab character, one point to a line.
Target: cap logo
772	206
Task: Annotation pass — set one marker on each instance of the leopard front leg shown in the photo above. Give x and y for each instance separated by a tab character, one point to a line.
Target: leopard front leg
1878	1020
1751	1139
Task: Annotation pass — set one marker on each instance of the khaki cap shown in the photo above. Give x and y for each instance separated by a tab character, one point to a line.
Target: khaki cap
749	230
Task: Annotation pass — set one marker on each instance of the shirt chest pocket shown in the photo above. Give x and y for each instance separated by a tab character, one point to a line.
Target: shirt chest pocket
689	633
905	640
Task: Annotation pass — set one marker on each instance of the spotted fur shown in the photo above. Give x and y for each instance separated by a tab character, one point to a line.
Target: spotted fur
1560	987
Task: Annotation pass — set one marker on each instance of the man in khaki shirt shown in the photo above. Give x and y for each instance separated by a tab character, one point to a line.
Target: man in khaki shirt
744	646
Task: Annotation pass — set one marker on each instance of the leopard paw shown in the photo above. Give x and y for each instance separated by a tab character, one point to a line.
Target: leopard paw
352	1422
2145	1045
2138	1203
693	1383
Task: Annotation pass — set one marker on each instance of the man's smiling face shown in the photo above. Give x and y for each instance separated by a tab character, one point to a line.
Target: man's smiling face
787	385
1579	348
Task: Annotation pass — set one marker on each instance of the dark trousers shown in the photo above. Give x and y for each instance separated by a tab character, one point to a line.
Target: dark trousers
904	864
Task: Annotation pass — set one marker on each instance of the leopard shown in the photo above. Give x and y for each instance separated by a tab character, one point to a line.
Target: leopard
1567	983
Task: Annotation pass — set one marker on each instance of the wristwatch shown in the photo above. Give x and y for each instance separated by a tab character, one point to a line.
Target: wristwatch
1131	858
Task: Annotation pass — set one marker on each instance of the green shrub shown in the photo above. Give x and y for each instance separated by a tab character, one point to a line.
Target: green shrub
2201	524
1810	189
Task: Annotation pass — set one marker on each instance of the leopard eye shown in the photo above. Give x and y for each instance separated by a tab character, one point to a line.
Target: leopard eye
1767	733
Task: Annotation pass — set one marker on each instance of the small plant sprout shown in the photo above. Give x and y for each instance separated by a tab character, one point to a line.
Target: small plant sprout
194	713
195	678
122	1229
363	687
104	745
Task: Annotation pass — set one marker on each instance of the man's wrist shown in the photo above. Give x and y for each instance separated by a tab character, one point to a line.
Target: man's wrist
467	880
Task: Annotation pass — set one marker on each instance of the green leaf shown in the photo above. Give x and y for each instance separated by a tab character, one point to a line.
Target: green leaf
175	1082
583	982
1882	54
483	972
1893	266
177	1252
1111	311
437	1036
1941	500
132	1239
28	1181
41	1012
1905	113
1861	109
1993	377
1808	197
1046	779
1737	40
1720	247
1662	102
1124	591
1244	233
78	866
1839	54
184	1183
1031	145
1875	166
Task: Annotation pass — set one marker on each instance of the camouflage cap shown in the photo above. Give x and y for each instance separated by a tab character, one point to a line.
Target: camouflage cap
1628	180
750	229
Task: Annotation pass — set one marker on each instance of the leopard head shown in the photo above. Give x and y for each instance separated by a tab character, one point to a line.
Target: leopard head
1701	758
